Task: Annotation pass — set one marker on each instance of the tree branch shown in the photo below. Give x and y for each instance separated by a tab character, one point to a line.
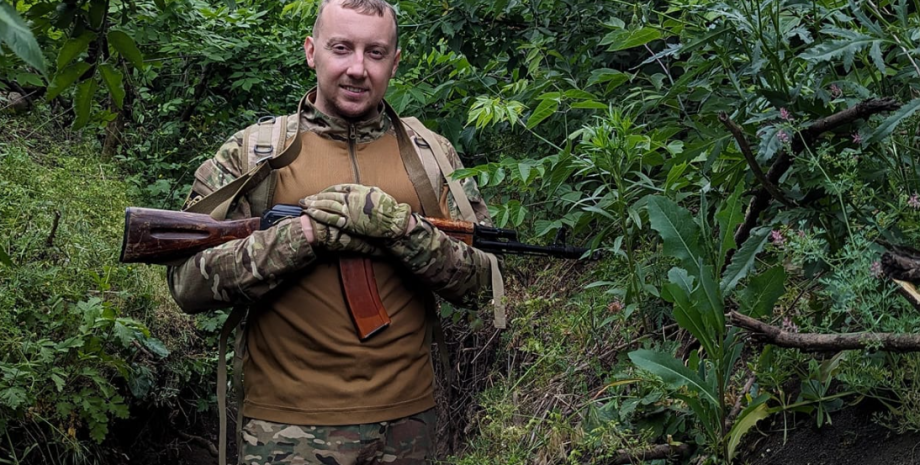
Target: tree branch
738	133
806	137
769	334
659	452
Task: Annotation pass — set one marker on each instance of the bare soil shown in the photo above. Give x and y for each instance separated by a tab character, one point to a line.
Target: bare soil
852	439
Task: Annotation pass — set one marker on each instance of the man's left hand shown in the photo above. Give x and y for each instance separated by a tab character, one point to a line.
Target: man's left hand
361	210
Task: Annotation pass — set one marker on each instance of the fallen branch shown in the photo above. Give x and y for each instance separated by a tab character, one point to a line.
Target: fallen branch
659	452
806	137
736	409
762	332
212	449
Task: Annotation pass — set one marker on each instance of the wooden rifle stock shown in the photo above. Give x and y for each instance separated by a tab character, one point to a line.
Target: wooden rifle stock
166	237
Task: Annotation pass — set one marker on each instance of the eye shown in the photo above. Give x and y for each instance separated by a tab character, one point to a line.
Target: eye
339	48
377	54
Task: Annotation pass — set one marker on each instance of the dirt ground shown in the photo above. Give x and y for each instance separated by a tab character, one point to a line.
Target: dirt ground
852	439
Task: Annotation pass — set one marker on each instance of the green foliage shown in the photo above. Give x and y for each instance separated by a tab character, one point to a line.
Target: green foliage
16	35
82	341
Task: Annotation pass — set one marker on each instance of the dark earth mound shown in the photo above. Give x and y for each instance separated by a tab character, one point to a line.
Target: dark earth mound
852	439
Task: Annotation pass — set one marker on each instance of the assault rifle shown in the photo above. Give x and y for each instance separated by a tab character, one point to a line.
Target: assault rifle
165	236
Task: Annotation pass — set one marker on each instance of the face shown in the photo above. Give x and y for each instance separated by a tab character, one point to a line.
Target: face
354	56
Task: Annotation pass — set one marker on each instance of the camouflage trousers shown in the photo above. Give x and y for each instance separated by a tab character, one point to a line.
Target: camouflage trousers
406	441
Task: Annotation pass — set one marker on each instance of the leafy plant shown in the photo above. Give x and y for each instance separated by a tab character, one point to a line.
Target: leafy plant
699	306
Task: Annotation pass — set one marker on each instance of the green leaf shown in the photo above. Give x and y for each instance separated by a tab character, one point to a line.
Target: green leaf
544	110
746	420
606	75
65	78
589	105
74	47
127	48
759	297
114	81
30	79
16	35
729	217
83	103
708	298
5	259
674	374
680	233
687	314
743	260
888	126
624	39
578	94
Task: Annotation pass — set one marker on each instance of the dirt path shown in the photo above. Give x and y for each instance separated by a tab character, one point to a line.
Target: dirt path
852	439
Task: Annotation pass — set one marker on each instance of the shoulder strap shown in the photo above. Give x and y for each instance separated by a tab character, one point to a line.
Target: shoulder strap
430	141
427	192
466	209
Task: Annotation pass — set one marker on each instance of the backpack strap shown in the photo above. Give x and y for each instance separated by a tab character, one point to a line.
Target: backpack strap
265	147
418	175
429	140
466	210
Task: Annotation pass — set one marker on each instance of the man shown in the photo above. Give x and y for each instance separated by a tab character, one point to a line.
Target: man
315	393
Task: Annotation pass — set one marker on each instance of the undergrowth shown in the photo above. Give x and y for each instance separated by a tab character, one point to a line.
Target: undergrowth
84	342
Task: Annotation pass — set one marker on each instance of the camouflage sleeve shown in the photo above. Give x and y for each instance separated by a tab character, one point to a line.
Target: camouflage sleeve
242	270
455	271
452	269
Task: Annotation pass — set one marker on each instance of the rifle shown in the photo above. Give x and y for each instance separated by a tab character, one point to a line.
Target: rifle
166	237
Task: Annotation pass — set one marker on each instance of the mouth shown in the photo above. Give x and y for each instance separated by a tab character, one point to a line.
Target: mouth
354	90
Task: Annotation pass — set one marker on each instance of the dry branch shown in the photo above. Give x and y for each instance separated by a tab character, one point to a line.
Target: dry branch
738	134
806	137
769	334
659	452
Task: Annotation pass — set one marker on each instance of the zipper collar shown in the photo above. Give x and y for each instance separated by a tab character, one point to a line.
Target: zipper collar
360	132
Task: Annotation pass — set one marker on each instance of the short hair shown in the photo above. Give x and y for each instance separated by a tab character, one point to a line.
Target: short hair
368	7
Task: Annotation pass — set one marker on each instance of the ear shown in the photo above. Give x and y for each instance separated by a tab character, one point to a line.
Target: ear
309	49
396	63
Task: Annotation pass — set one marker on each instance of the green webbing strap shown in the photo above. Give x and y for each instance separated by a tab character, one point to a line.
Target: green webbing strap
232	321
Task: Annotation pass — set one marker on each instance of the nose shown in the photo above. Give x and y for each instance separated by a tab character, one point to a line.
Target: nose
356	69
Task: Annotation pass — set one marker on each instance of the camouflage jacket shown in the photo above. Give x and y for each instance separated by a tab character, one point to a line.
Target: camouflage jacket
242	271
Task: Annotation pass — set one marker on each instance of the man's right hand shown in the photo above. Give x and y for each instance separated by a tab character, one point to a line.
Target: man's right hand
333	239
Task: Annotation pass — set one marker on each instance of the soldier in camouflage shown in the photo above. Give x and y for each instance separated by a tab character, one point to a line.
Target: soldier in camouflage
314	393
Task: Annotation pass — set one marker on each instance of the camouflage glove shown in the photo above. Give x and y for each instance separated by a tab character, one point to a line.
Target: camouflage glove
359	210
333	239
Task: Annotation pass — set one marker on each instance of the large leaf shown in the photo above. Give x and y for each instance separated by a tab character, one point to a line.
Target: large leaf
708	298
624	39
72	48
127	48
114	81
687	314
749	417
680	233
887	127
16	35
544	110
672	372
83	103
5	259
744	259
65	78
729	217
762	292
850	42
